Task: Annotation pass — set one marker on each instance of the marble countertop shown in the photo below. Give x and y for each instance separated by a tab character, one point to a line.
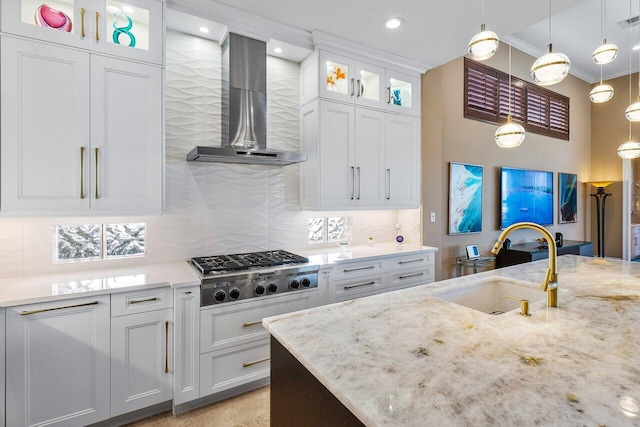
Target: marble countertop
410	358
333	255
52	287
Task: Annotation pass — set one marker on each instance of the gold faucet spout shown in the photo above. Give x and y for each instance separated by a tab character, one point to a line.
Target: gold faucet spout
550	282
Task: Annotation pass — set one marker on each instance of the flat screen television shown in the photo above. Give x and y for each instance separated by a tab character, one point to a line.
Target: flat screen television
526	195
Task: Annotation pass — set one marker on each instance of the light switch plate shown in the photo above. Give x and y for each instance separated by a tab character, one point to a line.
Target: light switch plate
433	217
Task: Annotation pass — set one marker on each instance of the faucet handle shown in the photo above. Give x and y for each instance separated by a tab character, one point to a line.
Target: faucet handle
524	305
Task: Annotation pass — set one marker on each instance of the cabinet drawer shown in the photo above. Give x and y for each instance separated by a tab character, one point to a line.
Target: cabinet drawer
141	301
349	270
408	278
223	326
409	261
221	370
355	288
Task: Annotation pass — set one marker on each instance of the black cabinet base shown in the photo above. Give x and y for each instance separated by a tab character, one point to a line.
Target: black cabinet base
299	399
526	252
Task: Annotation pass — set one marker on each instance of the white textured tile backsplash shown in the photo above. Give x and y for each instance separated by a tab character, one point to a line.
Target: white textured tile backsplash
209	208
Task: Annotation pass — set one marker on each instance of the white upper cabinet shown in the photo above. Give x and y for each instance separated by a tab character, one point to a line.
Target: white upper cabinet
76	146
341	78
402	161
130	29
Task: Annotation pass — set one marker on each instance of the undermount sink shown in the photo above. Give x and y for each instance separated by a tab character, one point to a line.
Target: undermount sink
486	294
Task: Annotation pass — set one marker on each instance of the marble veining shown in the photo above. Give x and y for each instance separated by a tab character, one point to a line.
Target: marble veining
410	358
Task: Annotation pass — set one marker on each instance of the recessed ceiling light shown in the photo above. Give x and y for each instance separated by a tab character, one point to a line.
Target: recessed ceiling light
204	30
636	47
277	50
393	23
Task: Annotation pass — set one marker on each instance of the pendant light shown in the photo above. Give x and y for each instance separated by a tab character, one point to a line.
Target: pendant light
633	111
552	67
509	135
607	52
602	92
630	149
484	44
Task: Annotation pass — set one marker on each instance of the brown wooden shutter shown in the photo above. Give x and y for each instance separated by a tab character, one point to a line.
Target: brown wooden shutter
481	93
559	118
517	107
537	109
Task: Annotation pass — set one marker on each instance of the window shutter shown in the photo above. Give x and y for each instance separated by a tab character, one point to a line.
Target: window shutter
486	98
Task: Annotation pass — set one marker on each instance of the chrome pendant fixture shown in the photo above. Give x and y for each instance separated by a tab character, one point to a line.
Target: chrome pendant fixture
484	44
607	52
510	135
552	67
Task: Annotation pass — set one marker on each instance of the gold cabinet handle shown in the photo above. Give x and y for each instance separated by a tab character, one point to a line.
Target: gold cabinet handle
166	347
349	270
138	301
82	11
27	312
255	362
97	26
411	275
360	284
411	260
82	172
247	324
97	152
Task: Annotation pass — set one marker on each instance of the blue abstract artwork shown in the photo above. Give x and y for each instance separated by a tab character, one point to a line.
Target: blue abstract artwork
526	195
568	202
465	198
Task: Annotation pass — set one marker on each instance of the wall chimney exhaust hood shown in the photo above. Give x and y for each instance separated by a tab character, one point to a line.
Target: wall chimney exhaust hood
244	108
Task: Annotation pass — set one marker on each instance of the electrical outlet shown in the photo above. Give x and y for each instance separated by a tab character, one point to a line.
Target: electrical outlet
433	217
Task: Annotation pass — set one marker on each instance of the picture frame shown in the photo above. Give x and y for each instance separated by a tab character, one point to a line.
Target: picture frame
465	198
567	198
526	195
473	252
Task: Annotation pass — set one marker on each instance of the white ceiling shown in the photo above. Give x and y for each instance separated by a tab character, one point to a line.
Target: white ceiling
438	31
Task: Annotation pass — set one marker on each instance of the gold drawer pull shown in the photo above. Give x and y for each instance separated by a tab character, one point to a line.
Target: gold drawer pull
255	362
410	261
166	347
349	270
82	11
247	324
411	275
27	312
360	284
138	301
97	26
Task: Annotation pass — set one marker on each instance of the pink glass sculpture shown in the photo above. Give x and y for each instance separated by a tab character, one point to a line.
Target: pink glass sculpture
51	18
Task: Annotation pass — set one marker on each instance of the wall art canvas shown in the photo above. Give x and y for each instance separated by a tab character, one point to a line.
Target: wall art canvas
465	198
526	195
568	201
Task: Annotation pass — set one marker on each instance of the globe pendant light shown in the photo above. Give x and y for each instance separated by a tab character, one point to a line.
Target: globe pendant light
601	93
509	135
630	149
607	52
484	44
632	112
552	67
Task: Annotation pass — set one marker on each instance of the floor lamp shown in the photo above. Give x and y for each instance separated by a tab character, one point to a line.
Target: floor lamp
601	199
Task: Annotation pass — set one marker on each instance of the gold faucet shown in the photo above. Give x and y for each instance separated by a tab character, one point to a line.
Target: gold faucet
550	282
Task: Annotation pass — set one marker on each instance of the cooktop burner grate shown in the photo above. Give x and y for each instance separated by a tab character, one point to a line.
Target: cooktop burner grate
245	261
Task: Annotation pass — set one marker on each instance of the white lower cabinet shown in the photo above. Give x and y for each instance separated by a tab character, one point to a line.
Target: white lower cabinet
57	354
234	346
141	365
356	279
186	350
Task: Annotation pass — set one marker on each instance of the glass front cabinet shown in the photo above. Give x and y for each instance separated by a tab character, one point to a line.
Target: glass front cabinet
130	29
341	78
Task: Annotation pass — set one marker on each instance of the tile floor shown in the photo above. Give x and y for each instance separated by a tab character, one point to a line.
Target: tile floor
247	410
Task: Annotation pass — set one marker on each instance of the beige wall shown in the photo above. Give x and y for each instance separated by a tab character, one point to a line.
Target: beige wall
609	129
448	137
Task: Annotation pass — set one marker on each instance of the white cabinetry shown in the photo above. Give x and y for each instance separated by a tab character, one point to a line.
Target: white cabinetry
186	377
233	344
58	354
355	279
342	78
141	367
68	146
96	25
358	158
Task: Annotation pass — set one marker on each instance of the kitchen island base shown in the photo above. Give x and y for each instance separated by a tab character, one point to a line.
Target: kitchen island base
298	398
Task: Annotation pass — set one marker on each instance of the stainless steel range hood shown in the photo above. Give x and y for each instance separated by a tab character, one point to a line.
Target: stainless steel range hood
244	108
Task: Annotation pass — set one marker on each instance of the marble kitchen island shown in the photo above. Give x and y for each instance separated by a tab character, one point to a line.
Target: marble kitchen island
410	358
